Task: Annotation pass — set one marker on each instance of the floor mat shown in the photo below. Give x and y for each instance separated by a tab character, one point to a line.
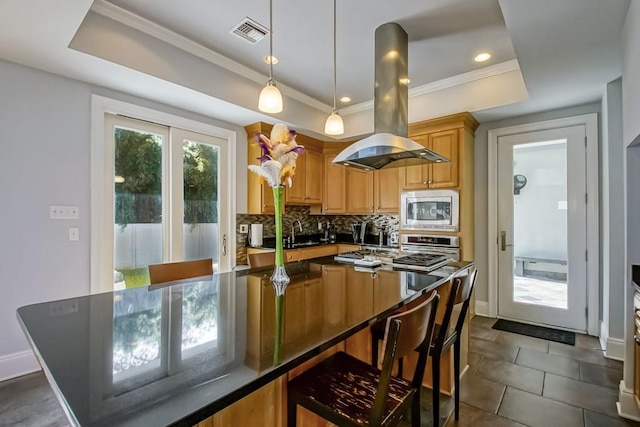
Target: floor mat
550	334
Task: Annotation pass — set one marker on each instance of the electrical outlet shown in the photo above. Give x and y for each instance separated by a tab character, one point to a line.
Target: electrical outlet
64	212
62	308
244	228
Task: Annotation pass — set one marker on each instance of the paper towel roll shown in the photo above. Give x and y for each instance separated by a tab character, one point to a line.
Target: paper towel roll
255	238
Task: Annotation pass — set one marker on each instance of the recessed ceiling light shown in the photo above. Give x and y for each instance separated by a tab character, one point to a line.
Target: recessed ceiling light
345	99
481	57
270	59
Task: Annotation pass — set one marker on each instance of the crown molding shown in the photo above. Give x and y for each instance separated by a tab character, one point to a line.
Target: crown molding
460	79
124	17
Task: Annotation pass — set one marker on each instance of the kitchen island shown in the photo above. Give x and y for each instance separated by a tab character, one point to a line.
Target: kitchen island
202	352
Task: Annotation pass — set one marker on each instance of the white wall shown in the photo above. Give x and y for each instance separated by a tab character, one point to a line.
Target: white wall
45	160
612	214
481	178
631	134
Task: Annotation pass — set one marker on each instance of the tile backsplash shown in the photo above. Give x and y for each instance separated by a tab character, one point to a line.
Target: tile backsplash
342	224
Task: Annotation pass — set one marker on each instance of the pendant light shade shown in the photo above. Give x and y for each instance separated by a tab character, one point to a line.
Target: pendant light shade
270	100
334	124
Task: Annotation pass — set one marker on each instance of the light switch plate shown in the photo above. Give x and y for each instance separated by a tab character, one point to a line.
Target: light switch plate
64	212
74	234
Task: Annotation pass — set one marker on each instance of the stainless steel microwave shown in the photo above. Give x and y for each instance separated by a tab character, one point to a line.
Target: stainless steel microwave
431	210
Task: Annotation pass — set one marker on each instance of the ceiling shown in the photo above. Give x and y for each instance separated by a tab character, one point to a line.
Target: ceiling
545	54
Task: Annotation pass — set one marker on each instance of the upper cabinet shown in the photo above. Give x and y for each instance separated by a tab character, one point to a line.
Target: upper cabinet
259	194
386	190
437	175
359	191
335	196
371	192
307	182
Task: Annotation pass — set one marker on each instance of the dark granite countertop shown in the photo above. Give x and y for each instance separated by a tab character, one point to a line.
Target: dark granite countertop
178	354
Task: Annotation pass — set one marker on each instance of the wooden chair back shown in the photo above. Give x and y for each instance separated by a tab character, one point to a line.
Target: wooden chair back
465	289
404	332
169	272
263	259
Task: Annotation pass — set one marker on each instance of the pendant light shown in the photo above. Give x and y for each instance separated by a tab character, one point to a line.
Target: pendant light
334	124
270	100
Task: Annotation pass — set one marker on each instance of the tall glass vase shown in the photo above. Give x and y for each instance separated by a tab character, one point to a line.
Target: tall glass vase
279	278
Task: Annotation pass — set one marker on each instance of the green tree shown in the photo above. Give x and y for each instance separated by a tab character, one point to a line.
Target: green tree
138	162
200	163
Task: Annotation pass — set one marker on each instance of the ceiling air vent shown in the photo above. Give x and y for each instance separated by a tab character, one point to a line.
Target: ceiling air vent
249	31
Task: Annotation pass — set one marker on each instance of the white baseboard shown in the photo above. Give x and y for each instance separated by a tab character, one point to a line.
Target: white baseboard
482	308
17	364
626	404
613	347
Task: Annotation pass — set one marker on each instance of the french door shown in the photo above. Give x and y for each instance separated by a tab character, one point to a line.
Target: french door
168	198
542	227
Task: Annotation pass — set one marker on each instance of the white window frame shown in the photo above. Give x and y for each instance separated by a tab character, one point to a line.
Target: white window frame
102	166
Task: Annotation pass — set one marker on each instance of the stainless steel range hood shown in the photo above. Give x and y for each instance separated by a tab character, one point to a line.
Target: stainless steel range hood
389	146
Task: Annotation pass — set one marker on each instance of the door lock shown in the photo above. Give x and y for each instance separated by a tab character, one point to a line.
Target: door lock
503	241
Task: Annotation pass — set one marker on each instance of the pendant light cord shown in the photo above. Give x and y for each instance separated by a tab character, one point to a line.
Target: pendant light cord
334	57
271	41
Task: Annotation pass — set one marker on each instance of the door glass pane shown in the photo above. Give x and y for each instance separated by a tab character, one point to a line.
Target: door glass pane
540	223
200	166
138	206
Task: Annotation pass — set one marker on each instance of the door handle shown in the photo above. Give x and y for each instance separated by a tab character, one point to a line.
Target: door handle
503	241
224	244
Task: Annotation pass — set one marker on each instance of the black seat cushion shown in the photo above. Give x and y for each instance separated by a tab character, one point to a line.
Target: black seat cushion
347	386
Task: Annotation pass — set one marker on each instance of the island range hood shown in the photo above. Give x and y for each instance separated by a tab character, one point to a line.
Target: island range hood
389	146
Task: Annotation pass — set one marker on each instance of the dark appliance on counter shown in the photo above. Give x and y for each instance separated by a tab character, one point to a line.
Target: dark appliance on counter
359	231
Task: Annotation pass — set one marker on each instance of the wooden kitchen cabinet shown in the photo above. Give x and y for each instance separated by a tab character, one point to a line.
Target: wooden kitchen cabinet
259	194
333	296
334	193
443	175
359	191
373	191
306	188
386	190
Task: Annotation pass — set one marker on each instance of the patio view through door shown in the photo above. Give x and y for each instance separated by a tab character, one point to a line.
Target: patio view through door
167	197
542	220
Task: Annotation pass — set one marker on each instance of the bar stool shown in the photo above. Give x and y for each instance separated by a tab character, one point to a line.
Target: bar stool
349	392
443	337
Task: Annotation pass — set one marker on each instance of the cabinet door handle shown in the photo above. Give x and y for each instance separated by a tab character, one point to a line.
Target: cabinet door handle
429	182
637	339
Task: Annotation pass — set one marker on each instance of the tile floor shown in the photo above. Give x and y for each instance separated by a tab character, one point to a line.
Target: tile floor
512	380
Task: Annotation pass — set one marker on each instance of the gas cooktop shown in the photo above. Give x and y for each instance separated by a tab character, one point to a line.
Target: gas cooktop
421	261
400	260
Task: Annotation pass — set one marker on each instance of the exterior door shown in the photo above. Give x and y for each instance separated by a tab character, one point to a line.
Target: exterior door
542	220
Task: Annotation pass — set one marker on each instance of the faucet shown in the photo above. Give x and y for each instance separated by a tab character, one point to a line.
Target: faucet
293	225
